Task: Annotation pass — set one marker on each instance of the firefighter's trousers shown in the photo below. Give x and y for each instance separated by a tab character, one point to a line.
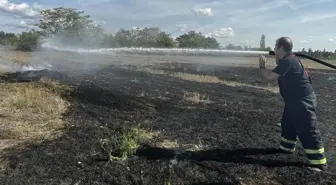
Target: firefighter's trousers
299	121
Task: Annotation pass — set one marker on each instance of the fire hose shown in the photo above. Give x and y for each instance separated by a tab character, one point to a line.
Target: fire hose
310	58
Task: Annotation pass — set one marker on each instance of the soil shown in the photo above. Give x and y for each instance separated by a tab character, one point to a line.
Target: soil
237	131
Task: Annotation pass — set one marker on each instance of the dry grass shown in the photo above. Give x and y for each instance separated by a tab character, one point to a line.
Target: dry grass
205	79
197	78
214	79
168	144
195	147
152	71
195	97
15	57
308	64
171	144
32	111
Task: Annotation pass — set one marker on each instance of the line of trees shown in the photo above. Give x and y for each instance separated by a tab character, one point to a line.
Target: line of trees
319	53
73	28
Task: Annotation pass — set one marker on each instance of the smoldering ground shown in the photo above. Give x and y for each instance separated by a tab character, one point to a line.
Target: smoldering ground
187	122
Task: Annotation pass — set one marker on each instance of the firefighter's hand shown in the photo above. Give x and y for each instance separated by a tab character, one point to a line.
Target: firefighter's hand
262	61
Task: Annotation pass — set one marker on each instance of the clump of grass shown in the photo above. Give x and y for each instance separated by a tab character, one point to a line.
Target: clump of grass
31	111
56	87
195	147
168	144
195	97
130	140
188	147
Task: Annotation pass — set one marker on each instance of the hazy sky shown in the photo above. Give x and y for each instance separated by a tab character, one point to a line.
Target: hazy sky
310	23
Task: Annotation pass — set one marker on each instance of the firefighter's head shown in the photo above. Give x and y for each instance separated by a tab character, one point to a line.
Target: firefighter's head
283	45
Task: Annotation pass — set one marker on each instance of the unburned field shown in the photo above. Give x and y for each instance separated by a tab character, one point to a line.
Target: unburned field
154	123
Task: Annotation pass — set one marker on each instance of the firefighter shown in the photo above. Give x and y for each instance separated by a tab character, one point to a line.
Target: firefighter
299	119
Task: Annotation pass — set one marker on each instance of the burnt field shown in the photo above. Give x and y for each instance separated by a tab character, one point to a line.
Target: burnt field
170	123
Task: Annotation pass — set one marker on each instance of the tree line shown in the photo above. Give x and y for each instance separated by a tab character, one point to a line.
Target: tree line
73	28
319	53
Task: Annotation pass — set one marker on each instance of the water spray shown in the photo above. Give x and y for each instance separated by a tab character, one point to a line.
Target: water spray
181	51
310	58
160	51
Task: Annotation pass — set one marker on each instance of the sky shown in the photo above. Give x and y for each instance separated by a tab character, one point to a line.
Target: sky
310	23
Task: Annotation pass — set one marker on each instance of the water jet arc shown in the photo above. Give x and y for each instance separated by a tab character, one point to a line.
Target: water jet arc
161	51
310	58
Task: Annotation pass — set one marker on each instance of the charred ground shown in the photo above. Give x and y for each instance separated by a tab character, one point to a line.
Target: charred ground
224	133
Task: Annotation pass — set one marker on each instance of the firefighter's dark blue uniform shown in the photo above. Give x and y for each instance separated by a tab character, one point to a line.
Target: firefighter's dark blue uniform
299	118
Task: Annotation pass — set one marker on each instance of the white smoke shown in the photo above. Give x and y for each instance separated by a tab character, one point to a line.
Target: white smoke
12	68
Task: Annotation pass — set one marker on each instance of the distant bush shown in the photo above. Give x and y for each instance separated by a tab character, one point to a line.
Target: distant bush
197	40
27	41
7	39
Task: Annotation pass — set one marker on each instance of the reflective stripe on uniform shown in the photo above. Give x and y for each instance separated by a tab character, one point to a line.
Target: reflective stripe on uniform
288	141
311	151
287	149
316	162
